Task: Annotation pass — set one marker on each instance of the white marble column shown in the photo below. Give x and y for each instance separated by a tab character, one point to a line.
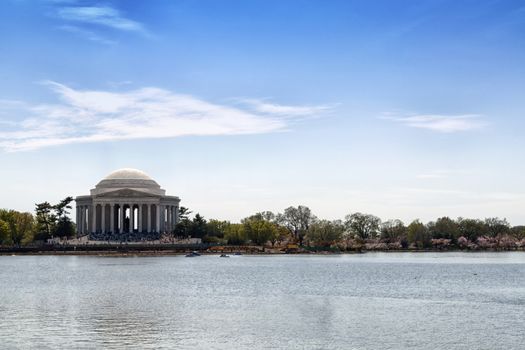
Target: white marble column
157	227
112	218
173	218
77	221
162	218
122	214
149	217
80	220
79	225
84	219
89	215
103	218
131	218
94	219
167	219
139	213
170	215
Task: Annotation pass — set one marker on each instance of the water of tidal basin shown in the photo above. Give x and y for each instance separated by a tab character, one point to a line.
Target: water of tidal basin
369	301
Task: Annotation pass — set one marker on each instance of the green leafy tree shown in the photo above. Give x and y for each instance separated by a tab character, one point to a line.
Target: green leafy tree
258	230
198	227
5	215
46	221
184	225
472	228
393	230
21	227
266	215
182	228
518	232
362	225
417	234
324	233
4	232
235	234
497	227
64	226
297	221
4	227
444	227
184	213
217	228
63	207
282	234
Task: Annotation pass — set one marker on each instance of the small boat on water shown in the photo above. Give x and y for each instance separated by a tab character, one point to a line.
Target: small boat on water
237	253
224	256
192	254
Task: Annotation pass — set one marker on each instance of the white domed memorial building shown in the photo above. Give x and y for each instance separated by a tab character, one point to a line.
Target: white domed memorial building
126	204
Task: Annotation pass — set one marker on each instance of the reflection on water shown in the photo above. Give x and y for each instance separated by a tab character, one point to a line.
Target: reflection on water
371	301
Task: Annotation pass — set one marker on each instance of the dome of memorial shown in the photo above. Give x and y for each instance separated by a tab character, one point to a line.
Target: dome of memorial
128	174
127	178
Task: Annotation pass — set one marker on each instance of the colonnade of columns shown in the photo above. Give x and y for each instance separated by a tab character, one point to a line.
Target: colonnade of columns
126	217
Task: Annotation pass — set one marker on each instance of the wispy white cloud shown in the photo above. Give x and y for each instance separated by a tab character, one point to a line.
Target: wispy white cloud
89	21
86	34
441	123
8	104
99	15
7	122
119	84
262	106
147	113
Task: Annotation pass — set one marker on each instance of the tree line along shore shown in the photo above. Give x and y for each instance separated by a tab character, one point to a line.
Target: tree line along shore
296	229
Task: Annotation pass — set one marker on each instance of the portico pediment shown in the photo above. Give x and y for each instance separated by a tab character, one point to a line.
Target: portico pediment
126	193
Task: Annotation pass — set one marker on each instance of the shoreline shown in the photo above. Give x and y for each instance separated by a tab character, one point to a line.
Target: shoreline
176	252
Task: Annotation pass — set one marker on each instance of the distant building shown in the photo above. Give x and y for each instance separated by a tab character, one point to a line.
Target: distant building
126	202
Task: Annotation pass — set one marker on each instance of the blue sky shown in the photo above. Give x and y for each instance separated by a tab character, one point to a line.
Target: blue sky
403	109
